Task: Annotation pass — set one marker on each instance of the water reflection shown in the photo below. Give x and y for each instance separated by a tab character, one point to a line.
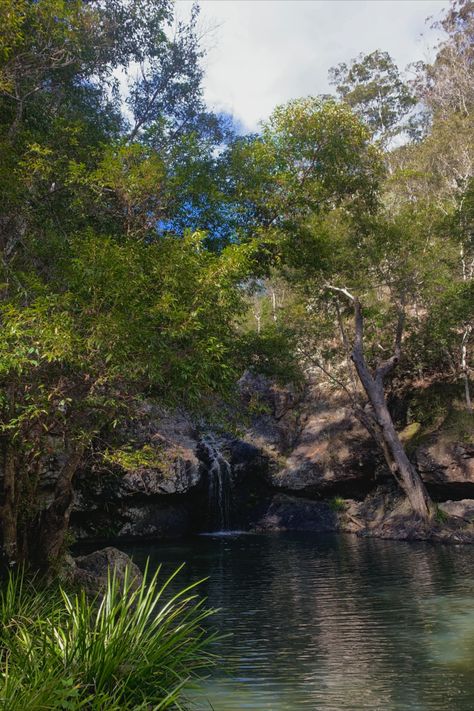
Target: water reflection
334	623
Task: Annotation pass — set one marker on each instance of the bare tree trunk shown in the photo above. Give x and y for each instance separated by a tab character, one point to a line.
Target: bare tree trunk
274	306
467	393
464	368
395	455
54	522
379	422
9	509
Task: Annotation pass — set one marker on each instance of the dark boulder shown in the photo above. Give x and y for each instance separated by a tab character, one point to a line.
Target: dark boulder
90	572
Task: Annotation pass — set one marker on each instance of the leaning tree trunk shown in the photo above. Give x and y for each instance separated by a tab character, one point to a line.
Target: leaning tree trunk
379	421
395	456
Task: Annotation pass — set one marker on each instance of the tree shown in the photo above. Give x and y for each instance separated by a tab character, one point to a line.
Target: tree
99	305
326	177
436	175
371	85
446	85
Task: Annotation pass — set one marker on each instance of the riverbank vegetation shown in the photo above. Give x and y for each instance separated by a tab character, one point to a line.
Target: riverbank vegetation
137	646
150	251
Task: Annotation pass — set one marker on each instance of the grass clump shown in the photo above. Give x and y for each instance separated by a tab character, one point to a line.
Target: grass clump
130	649
440	515
338	504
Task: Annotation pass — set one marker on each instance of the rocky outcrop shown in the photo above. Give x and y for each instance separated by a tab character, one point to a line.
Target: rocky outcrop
156	482
333	455
385	513
141	488
276	414
299	451
316	447
464	508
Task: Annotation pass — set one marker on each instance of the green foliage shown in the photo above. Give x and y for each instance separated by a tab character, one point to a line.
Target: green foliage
373	87
440	410
338	504
106	294
131	459
271	353
136	647
440	515
145	251
322	155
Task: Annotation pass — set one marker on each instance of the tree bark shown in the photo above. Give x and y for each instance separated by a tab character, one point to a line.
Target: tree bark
379	422
9	509
54	521
464	368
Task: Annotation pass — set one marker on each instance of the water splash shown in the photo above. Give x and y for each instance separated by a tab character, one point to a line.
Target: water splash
220	483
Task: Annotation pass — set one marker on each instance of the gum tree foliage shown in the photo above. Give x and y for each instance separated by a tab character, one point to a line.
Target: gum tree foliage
435	176
353	264
372	85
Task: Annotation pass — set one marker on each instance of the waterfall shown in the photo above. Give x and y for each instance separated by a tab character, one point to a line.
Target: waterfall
220	483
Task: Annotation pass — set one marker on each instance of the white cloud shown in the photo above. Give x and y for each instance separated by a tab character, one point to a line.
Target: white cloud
265	52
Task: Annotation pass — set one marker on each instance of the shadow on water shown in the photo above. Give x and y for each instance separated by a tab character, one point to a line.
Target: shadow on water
335	622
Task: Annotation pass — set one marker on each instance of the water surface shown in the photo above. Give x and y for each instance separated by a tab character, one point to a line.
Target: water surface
335	622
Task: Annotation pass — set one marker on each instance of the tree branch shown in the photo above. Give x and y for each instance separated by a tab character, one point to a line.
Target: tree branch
386	366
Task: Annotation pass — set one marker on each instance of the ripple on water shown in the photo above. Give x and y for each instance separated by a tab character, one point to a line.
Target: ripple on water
334	623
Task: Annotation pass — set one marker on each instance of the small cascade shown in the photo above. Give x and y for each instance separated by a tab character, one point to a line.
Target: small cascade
220	483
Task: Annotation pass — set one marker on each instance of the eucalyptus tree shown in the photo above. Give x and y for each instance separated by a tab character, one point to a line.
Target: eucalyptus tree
373	87
436	174
346	258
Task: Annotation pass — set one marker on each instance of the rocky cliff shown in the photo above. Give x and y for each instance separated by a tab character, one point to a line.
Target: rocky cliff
301	461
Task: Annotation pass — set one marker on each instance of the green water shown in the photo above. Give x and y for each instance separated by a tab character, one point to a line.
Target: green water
334	623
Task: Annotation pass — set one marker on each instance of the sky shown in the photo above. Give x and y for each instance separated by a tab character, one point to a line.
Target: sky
262	53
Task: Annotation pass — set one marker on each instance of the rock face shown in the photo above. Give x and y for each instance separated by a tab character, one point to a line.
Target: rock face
333	455
299	449
291	513
167	495
90	572
447	467
276	414
317	448
464	508
385	513
146	493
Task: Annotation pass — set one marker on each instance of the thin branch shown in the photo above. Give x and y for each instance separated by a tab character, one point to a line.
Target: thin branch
341	290
386	366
